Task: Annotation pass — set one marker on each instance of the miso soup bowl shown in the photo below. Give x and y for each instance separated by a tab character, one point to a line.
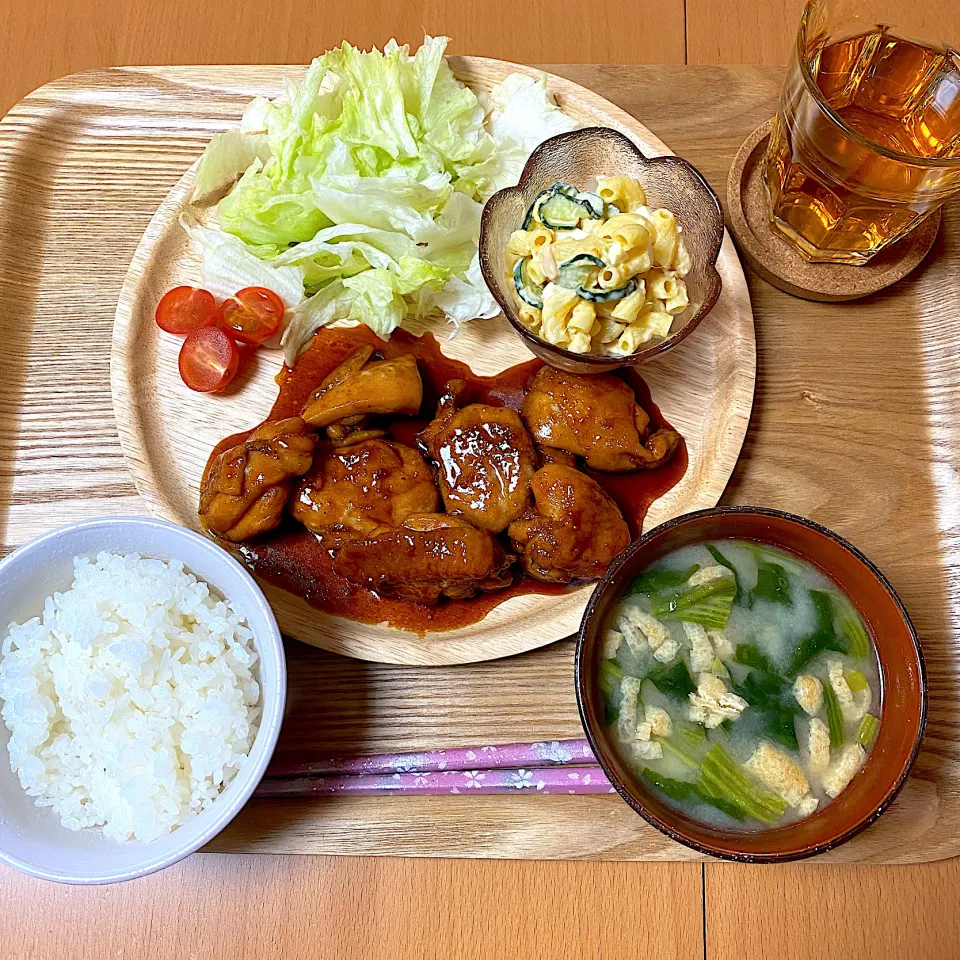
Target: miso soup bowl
902	676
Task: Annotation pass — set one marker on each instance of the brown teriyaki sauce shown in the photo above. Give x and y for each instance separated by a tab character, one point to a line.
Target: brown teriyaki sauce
293	558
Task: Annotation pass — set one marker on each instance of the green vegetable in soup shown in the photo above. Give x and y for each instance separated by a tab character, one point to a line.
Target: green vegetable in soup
708	604
719	668
656	581
750	656
834	716
678	752
853	630
768	695
673	680
610	673
824	637
690	732
684	790
856	680
761	689
723	779
675	789
725	806
867	732
611	710
779	727
740	597
772	584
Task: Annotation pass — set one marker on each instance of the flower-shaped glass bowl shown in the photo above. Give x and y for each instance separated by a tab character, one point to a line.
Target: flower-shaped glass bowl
580	156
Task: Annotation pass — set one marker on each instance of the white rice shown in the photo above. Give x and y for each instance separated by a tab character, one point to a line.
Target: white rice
132	701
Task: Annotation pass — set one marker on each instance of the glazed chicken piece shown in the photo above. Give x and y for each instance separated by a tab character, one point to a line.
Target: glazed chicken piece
247	486
360	387
574	530
596	417
485	458
364	485
554	455
428	556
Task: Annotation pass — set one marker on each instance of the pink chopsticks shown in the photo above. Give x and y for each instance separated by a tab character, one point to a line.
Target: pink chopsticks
557	766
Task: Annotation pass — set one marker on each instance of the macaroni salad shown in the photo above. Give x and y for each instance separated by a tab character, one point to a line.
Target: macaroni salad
598	271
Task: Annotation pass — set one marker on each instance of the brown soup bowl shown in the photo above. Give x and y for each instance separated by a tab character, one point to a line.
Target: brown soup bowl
670	182
902	677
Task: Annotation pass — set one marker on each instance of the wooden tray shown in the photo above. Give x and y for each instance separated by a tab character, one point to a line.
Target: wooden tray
855	424
704	388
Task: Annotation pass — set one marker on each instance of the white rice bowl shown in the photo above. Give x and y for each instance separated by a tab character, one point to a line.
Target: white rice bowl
133	700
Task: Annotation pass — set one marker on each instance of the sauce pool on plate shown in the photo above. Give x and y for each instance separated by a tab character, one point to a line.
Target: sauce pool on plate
293	558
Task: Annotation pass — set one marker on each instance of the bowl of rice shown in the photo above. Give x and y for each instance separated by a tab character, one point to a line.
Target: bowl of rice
142	687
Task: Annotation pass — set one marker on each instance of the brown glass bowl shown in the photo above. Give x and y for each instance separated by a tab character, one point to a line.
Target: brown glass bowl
903	682
577	157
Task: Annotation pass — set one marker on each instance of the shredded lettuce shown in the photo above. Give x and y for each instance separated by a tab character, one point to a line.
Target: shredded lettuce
333	302
228	155
378	294
229	265
369	174
522	117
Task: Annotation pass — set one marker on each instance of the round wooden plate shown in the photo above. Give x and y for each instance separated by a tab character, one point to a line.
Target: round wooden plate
704	388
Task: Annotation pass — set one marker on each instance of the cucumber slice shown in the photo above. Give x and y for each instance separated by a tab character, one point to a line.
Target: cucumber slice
613	210
575	272
607	296
562	212
533	211
592	201
528	291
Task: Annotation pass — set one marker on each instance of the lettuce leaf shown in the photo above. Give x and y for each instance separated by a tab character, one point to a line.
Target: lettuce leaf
370	173
378	294
467	299
228	155
326	306
523	115
229	265
258	211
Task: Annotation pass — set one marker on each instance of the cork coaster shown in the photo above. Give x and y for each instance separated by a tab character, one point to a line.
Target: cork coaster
777	261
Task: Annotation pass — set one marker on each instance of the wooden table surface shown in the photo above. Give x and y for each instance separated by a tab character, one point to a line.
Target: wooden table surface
264	907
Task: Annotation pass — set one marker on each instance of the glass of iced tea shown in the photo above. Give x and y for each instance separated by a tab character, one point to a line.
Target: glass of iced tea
867	140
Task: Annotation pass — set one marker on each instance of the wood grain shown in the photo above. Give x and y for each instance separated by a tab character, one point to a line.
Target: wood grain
167	431
764	31
855	425
312	908
100	33
810	912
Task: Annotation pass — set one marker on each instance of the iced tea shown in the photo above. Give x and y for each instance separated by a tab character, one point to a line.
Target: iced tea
866	143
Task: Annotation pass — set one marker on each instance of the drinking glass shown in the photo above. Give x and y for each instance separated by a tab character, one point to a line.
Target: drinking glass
866	143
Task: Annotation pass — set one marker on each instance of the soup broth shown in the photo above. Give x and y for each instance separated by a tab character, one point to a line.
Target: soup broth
740	684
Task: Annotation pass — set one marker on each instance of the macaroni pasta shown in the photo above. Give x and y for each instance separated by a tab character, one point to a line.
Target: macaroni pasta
599	272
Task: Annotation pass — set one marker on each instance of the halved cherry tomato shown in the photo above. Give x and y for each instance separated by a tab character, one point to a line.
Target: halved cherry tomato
183	309
252	315
209	360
